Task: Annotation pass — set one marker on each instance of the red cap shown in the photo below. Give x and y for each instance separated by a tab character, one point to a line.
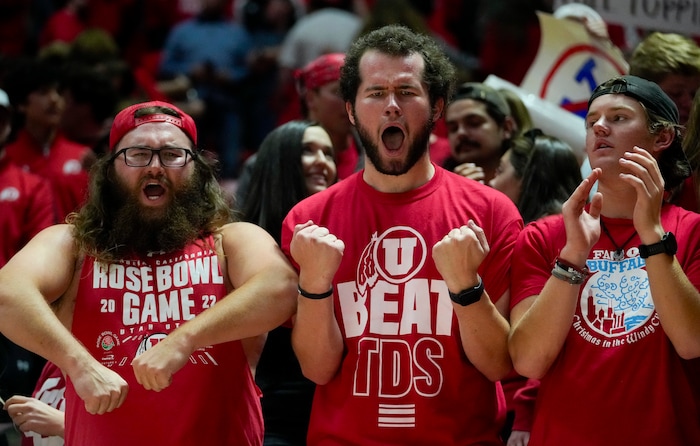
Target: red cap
320	71
125	121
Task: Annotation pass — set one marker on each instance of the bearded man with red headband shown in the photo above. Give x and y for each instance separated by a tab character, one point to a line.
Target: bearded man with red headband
117	297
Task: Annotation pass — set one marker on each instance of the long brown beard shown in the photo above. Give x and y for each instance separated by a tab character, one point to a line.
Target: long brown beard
140	231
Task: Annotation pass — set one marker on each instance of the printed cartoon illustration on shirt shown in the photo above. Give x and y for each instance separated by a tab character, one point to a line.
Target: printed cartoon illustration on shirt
616	303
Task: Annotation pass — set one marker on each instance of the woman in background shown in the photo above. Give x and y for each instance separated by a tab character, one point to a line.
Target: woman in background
294	161
538	173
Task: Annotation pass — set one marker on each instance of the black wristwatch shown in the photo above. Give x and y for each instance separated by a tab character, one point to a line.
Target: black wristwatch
667	245
468	296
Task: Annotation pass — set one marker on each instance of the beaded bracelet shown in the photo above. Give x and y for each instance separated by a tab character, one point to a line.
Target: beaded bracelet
569	272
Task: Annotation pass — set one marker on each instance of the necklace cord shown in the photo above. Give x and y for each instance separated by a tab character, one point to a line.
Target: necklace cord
618	248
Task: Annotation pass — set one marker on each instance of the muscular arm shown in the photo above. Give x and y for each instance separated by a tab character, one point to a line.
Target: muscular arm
262	299
38	275
41	273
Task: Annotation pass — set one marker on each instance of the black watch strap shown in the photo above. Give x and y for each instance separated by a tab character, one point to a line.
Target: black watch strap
468	296
667	245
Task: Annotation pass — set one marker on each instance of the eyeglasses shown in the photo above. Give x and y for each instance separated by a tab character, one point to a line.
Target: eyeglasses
143	156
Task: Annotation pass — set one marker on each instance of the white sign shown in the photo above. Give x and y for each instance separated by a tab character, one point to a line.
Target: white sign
678	16
570	64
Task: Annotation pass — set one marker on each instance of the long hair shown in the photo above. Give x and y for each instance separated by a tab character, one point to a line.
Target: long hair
549	172
277	179
92	223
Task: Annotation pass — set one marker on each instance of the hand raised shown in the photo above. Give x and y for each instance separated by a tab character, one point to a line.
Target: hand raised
470	170
318	253
459	254
582	227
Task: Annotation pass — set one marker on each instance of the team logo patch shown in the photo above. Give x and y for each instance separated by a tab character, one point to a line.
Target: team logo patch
396	256
107	341
150	341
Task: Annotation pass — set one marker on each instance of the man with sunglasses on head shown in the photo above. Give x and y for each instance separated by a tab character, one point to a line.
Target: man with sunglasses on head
117	297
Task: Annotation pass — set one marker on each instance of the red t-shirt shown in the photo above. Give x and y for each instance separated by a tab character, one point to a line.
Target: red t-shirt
617	379
404	378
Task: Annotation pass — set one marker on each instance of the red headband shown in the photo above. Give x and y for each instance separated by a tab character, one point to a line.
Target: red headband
320	71
125	121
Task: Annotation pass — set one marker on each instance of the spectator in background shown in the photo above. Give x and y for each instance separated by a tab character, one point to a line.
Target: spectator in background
267	22
26	207
518	110
90	103
414	14
538	173
479	128
320	101
297	161
39	145
212	51
25	198
672	61
329	26
65	24
688	196
41	417
294	161
318	85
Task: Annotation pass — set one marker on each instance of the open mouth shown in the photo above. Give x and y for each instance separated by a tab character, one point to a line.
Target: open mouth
154	191
393	138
